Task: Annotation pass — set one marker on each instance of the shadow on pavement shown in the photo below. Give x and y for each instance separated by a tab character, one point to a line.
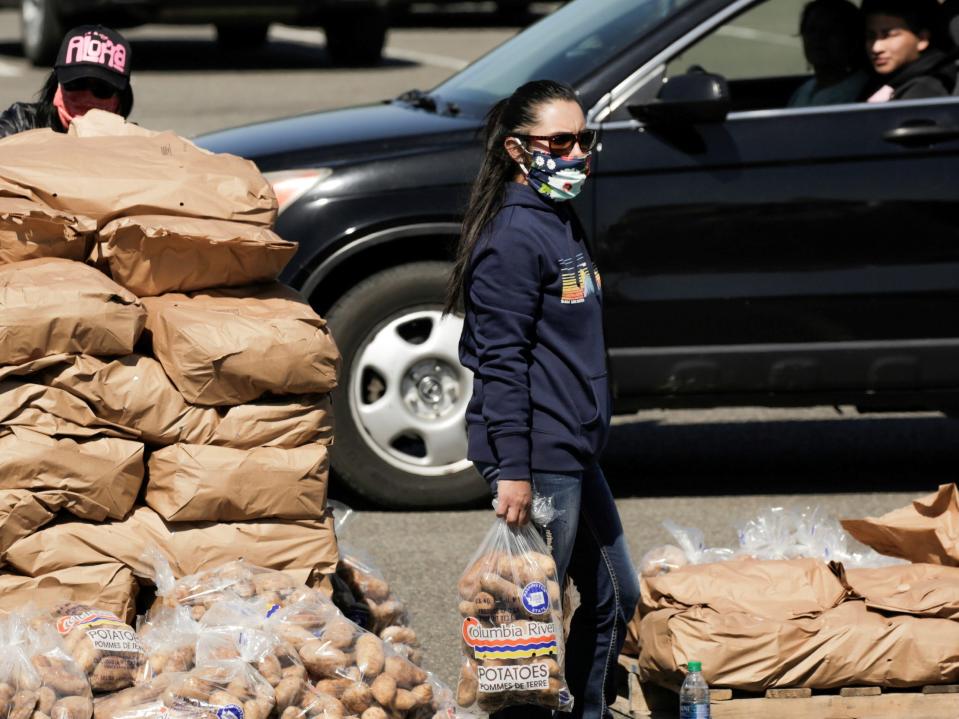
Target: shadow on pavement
649	459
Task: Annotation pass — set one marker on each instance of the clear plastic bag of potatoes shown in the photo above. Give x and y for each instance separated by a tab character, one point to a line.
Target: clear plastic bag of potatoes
219	690
38	680
105	647
168	636
237	579
512	631
237	630
355	672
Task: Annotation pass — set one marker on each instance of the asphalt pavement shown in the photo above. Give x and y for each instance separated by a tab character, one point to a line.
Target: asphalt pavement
712	469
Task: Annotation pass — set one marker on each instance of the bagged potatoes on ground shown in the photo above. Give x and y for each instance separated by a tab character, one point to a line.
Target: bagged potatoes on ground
512	627
356	671
268	588
168	637
221	690
388	617
106	648
38	679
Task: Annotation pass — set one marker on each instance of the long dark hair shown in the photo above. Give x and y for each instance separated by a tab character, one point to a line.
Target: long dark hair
506	118
49	89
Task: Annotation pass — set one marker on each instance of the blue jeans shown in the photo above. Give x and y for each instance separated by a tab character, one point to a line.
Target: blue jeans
588	544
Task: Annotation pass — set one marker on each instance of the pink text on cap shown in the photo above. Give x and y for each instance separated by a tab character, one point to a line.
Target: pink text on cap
94	47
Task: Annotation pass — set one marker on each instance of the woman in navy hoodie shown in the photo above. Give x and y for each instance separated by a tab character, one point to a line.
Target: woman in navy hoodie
533	337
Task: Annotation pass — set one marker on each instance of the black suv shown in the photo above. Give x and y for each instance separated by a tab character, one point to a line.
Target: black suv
752	254
355	29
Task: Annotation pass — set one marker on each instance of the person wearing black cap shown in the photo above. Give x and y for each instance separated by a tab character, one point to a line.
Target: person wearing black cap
92	72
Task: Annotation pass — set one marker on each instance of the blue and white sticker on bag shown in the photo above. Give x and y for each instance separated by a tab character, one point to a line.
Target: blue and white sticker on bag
229	711
536	598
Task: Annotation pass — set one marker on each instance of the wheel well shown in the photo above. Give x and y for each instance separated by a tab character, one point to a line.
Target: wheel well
369	261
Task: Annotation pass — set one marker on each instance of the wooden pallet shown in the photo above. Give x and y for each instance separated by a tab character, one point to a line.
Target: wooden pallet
639	701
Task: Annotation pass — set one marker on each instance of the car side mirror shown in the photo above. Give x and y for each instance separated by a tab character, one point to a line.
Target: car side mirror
690	99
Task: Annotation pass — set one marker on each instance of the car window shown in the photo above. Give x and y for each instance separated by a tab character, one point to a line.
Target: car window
567	45
762	42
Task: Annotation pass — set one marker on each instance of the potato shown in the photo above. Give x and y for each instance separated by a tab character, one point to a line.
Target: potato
334	687
358	698
72	708
294	634
288	692
24	704
323	661
46	698
468	684
374	713
399	635
406	674
325	706
503	590
423	694
339	633
369	655
384	689
269	667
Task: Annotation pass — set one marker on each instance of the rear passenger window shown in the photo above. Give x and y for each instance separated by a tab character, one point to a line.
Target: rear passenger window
762	42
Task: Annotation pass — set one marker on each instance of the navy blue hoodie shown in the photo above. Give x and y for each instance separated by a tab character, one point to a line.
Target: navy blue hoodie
533	337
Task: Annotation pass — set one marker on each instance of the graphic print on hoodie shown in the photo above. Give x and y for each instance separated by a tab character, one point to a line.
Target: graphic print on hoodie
533	337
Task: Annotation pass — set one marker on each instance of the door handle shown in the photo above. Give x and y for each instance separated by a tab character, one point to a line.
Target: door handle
921	132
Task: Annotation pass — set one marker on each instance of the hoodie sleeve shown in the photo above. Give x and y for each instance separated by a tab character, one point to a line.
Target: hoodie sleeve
505	295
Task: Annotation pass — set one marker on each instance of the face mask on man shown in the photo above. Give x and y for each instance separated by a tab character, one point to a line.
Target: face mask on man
559	178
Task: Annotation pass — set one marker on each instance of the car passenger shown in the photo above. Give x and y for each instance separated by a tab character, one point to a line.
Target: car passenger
902	39
92	72
831	33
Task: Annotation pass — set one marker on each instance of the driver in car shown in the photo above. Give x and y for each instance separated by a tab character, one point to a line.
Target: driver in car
902	40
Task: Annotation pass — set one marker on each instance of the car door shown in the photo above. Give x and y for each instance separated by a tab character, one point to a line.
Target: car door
783	252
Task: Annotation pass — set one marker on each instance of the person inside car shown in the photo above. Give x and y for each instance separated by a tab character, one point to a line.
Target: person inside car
831	33
533	338
902	39
92	71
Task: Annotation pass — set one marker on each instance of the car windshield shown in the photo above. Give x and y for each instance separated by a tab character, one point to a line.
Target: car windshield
565	46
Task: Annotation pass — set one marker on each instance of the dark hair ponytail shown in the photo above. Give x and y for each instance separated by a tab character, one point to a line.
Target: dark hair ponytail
507	117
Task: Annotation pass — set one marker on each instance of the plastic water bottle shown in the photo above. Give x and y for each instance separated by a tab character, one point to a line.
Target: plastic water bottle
694	696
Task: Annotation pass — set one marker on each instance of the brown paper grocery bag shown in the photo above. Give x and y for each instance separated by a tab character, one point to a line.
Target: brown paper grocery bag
925	590
926	531
23	511
286	422
134	392
107	470
302	547
52	412
50	306
29	230
108	176
849	645
191	482
153	255
779	589
106	586
231	346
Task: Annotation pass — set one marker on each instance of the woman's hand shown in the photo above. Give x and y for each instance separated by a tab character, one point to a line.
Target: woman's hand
515	499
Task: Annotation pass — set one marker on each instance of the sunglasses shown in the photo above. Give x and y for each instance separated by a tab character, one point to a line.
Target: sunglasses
564	142
98	88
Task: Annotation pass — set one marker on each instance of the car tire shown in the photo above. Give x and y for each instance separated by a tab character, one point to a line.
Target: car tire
356	39
402	394
41	31
242	37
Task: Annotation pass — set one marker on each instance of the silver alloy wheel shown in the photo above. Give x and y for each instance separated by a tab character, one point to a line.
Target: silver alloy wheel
31	13
408	393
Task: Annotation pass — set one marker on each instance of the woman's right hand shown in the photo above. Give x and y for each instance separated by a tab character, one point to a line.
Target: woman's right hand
515	497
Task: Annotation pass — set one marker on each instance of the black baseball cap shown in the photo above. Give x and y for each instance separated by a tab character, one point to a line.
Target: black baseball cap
94	51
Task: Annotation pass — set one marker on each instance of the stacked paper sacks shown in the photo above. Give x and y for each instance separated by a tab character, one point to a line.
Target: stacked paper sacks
157	385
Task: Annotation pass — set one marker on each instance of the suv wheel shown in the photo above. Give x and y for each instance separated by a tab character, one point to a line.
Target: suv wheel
401	400
356	38
242	37
41	30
